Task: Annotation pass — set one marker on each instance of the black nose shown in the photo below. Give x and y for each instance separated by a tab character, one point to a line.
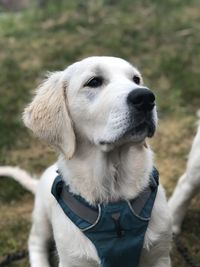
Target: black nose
142	99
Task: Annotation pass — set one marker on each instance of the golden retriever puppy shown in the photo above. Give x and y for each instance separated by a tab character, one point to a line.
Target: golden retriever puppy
105	208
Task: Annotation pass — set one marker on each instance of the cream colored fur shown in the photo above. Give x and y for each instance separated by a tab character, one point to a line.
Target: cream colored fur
99	159
47	115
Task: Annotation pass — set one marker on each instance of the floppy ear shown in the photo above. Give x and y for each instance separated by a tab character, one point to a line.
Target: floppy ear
48	116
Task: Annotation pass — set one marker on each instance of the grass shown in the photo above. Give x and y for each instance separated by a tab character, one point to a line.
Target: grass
160	37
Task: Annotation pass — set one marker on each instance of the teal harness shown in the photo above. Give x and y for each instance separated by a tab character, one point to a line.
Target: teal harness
116	229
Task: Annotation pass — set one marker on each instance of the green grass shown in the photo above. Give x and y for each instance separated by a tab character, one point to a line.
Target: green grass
18	230
160	37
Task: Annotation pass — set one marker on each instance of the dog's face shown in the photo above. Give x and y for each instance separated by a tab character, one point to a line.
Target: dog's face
102	98
101	101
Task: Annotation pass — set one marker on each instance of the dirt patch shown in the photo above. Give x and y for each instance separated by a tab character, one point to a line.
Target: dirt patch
171	146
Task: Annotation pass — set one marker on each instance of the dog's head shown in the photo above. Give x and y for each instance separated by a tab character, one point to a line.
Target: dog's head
99	99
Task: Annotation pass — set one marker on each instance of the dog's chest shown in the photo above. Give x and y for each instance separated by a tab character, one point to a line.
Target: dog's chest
116	233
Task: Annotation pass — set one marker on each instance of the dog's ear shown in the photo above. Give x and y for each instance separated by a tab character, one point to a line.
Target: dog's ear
48	116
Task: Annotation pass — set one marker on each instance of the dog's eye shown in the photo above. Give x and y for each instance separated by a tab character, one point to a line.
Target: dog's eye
136	79
94	82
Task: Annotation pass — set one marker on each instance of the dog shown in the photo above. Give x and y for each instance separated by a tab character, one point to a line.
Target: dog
188	185
97	114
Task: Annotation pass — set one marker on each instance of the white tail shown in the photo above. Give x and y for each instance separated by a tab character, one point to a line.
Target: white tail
20	176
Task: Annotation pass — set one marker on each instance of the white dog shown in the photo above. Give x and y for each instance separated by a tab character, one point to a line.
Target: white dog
187	186
97	114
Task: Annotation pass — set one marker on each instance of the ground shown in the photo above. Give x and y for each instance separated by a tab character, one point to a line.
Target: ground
160	37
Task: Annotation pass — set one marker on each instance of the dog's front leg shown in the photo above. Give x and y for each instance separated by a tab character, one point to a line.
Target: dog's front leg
39	238
162	262
155	258
158	237
38	254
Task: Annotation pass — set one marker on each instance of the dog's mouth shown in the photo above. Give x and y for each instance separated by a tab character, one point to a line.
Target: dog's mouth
145	127
134	134
143	124
135	130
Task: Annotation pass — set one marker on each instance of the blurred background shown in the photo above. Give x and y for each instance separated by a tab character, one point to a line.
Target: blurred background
160	37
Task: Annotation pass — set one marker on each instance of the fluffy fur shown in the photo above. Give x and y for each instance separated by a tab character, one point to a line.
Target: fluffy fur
100	138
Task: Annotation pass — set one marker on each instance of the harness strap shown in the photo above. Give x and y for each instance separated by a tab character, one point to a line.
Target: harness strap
85	212
138	203
117	229
90	213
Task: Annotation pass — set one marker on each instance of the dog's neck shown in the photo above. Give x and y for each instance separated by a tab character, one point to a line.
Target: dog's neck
107	176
